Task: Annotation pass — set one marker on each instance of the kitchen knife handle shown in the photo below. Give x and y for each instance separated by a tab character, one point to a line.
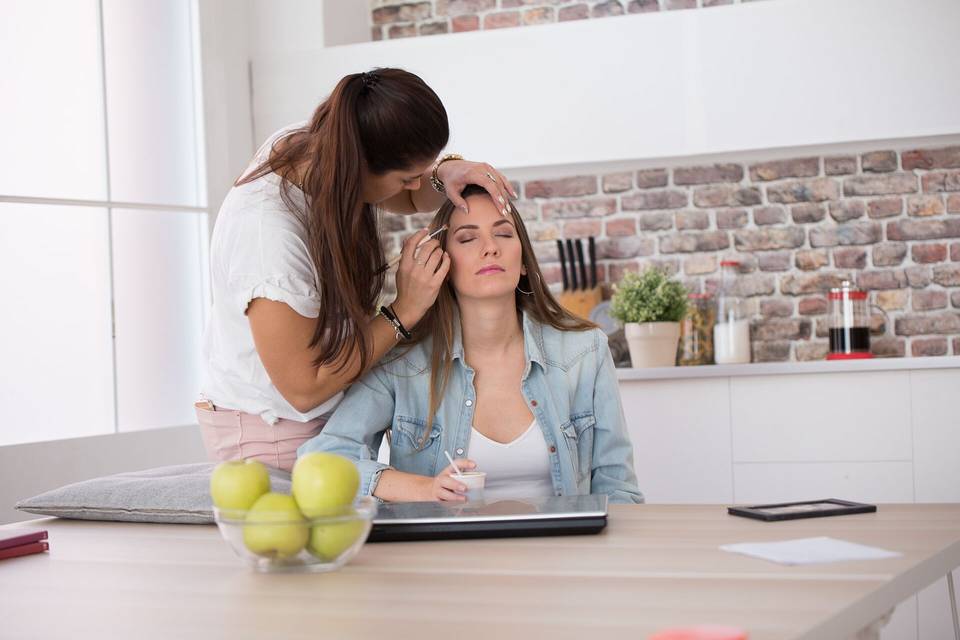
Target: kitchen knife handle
573	265
593	262
583	264
563	265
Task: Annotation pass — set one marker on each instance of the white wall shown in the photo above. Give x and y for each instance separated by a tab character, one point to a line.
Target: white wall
767	75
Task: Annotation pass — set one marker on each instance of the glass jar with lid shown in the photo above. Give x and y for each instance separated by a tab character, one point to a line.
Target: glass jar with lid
731	333
696	331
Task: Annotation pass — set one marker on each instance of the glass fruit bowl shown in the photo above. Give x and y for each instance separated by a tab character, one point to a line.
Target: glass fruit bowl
278	541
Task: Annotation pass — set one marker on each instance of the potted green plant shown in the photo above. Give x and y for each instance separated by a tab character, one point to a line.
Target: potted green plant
651	306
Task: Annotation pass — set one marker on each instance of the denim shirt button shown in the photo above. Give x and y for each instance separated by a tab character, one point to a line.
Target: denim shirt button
533	403
459	452
469	403
553	449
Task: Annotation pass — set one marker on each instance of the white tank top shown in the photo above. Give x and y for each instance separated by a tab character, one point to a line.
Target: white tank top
516	469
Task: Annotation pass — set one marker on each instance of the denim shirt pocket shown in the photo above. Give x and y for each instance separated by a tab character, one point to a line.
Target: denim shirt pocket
409	451
578	432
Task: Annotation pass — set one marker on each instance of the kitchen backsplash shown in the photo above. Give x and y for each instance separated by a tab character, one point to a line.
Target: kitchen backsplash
888	220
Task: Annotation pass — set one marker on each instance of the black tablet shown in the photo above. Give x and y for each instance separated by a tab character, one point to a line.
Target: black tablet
808	509
565	515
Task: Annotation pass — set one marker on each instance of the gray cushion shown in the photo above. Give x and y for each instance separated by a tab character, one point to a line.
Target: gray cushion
178	494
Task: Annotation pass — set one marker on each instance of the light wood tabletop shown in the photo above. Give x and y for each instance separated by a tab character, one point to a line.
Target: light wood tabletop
655	566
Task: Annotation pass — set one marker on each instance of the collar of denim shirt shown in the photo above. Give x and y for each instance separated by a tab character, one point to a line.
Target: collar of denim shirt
532	341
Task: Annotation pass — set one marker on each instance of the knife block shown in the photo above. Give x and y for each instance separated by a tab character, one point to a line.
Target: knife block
580	302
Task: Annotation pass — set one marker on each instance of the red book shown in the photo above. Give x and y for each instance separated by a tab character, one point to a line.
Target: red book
21	537
24	549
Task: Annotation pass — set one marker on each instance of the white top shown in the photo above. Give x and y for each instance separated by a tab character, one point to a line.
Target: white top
517	469
258	250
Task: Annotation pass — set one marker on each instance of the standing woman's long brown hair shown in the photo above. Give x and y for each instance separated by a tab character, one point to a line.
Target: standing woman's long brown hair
379	121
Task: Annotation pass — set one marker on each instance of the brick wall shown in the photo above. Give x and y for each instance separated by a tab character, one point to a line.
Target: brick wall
887	220
407	18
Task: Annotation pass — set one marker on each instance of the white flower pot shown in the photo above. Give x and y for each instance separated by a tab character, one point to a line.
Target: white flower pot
652	344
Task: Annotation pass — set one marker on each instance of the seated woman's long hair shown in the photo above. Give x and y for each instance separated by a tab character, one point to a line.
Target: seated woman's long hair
438	323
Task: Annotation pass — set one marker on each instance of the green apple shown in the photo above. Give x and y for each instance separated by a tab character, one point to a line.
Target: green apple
237	484
274	527
324	483
328	541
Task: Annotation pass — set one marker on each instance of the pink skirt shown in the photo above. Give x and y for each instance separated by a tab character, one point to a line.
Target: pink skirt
235	435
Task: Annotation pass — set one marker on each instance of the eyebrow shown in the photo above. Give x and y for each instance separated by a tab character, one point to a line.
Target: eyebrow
473	226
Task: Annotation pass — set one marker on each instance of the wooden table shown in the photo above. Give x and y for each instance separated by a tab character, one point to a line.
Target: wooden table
655	566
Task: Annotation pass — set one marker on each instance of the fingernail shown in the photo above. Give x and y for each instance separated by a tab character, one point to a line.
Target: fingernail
504	211
501	199
464	207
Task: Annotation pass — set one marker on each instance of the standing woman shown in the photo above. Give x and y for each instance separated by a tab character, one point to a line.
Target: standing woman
297	264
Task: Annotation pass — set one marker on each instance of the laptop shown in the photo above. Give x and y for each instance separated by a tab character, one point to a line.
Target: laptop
553	516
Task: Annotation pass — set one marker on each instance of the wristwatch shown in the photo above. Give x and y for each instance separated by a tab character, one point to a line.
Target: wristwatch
434	180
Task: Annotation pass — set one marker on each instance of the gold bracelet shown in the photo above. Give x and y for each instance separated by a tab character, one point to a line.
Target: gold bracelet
437	183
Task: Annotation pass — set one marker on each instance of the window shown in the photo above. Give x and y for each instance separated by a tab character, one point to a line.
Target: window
103	217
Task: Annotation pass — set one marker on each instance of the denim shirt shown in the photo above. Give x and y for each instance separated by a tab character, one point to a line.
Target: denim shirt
569	384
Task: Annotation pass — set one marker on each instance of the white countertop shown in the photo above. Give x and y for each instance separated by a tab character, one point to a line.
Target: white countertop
781	368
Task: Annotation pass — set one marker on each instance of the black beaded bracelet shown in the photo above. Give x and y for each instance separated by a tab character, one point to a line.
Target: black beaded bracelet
387	312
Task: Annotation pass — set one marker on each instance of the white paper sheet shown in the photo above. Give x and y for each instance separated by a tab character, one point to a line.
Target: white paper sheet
809	551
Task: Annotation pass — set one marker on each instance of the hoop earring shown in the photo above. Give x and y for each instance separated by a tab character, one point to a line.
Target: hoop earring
526	293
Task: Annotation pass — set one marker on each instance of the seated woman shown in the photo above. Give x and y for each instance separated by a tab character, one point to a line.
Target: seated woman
498	374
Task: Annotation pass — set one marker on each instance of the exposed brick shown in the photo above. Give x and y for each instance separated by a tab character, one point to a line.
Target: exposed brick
434	28
731	218
576	12
582	228
695	220
767	215
643	6
781	329
562	187
846	210
617	182
881	279
708	174
626	247
666	199
850	258
807	351
579	208
893	300
884	207
528	209
953	205
771	351
921	347
410	12
922	206
546	251
658	221
688	242
839	165
776	308
769	238
715	3
621	227
501	20
540	231
956	346
609	8
947	275
944	158
924	253
880	185
699	265
376	33
918	277
726	196
888	347
673	5
878	324
879	162
807	212
955	301
540	15
616	270
811	260
671	267
816	306
940	181
465	23
815	190
941	323
924	300
778	169
461	7
923	229
774	261
552	274
652	178
402	31
805	283
851	233
755	284
889	254
955	251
